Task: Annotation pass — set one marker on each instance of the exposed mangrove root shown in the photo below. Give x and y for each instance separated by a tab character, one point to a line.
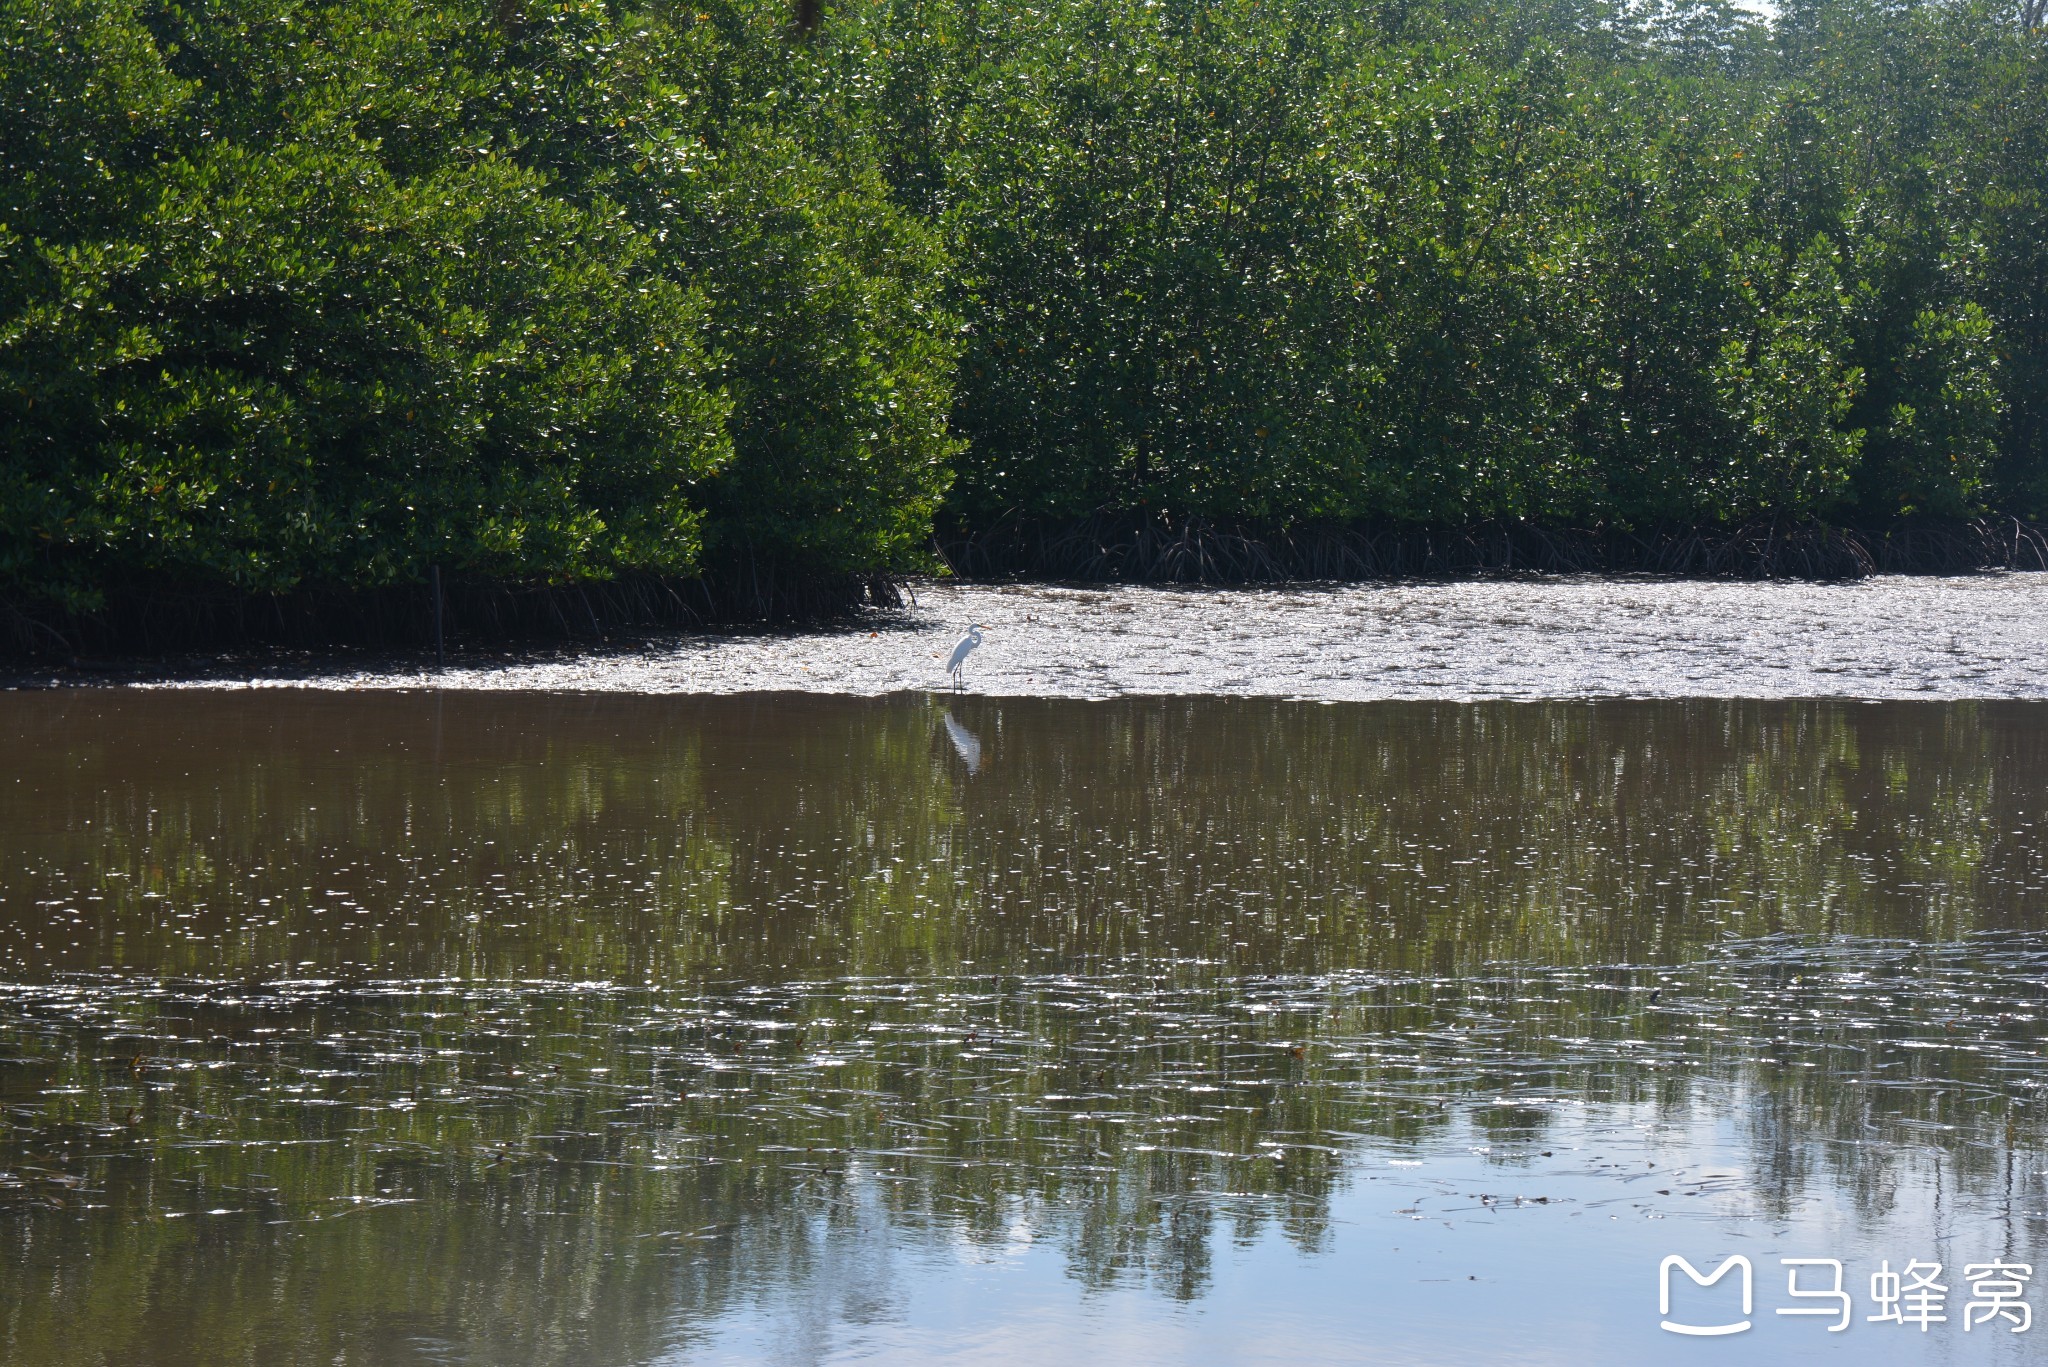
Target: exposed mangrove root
1113	548
154	620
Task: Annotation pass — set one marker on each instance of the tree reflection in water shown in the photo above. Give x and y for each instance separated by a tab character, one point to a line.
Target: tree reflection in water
544	1029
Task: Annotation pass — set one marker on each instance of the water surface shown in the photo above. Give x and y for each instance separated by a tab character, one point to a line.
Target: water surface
473	1027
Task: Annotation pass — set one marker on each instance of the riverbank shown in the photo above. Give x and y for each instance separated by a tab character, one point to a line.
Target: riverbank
1887	636
148	628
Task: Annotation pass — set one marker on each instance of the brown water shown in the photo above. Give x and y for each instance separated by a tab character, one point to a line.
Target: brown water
540	1028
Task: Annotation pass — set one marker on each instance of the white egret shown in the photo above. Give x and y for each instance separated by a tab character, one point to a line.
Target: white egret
962	651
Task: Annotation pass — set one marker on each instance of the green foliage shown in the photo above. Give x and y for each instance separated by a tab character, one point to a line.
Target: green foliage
822	295
1940	437
325	292
1784	383
289	351
1284	259
826	297
303	294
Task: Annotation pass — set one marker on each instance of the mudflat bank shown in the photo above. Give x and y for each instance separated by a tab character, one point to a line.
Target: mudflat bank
1973	636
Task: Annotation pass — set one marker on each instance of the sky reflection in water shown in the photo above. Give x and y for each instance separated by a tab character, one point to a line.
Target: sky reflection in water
549	1029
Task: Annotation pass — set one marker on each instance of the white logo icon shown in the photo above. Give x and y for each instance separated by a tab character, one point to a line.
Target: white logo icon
1705	1330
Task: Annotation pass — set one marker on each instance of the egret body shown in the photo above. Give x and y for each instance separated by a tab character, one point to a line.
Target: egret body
962	651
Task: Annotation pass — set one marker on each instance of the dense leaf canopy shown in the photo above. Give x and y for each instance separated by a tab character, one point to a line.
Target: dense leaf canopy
325	292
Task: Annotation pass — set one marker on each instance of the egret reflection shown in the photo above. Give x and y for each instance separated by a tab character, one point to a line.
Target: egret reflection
965	743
